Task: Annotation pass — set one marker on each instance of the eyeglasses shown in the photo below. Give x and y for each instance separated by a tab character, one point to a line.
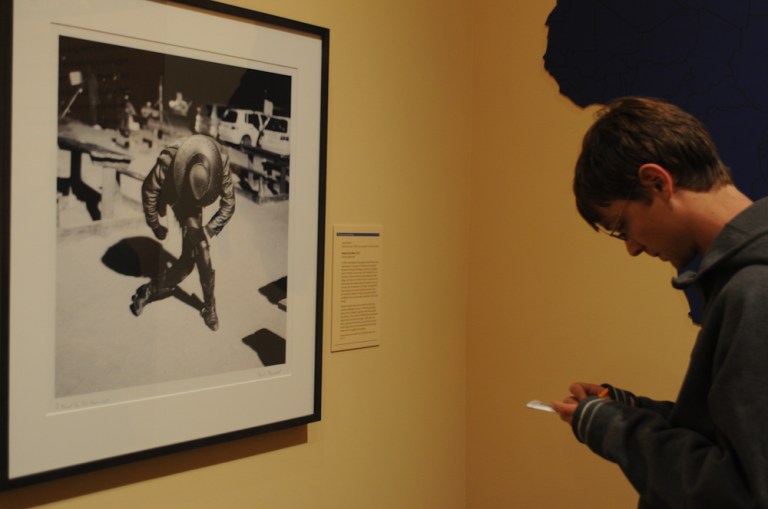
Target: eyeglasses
616	228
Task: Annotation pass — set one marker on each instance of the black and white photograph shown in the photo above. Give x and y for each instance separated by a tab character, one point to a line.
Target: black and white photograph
172	218
164	178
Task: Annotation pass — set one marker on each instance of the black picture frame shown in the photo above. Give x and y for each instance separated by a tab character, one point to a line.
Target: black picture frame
98	94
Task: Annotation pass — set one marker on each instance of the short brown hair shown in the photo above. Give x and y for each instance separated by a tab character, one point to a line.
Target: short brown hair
632	131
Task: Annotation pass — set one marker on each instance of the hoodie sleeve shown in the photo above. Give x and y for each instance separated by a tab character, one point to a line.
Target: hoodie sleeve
669	461
663	408
668	466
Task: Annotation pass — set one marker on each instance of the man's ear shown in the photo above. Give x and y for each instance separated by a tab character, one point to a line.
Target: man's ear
656	179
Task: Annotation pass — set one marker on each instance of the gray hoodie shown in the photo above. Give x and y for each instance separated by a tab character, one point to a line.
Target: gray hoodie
709	449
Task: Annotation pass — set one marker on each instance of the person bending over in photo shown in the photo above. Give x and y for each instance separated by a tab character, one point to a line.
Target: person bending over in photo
188	176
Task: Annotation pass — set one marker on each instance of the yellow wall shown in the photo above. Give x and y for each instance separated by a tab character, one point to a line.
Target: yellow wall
550	301
445	129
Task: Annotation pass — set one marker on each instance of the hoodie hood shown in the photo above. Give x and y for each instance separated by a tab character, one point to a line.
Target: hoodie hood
743	241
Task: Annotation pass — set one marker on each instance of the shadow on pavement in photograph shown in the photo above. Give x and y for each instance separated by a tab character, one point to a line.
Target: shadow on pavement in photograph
268	346
144	257
276	292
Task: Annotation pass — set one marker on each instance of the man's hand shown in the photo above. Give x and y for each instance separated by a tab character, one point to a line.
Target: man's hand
160	231
579	391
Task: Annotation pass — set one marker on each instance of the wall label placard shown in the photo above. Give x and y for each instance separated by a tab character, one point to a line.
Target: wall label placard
356	305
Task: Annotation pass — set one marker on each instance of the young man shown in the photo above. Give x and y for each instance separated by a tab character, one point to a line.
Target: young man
649	175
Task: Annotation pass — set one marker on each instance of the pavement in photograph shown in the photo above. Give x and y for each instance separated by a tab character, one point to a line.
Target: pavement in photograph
102	346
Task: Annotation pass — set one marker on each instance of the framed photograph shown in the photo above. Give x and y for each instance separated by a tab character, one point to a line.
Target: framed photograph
163	194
